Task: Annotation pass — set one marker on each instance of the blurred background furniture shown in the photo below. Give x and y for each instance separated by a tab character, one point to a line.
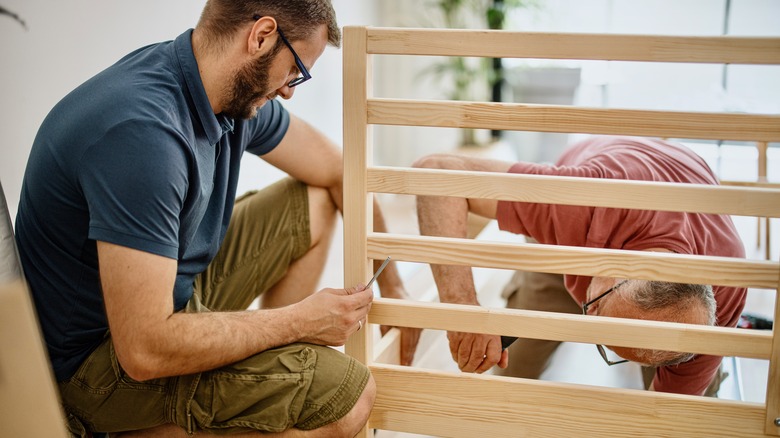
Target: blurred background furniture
29	404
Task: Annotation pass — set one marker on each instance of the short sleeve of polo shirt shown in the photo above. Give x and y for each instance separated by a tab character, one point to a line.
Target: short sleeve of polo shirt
134	181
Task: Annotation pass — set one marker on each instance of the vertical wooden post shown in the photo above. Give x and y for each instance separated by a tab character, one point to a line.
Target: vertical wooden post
357	154
773	381
762	177
762	163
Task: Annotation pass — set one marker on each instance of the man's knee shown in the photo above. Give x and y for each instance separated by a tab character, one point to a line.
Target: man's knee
357	418
366	402
320	201
322	212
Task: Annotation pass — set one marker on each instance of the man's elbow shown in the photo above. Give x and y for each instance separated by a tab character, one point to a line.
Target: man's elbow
139	365
435	161
425	162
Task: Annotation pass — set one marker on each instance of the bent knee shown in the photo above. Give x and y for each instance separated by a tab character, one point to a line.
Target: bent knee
357	418
320	201
322	212
365	403
369	393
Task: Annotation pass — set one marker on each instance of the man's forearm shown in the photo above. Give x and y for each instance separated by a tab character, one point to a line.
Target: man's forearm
185	343
447	217
188	343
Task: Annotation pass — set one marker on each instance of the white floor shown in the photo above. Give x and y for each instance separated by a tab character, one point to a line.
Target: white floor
747	379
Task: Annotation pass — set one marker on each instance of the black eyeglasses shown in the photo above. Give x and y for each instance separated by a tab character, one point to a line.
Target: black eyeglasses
305	76
600	347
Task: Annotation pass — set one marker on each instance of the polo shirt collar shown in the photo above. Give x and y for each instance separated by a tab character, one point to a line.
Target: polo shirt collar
213	125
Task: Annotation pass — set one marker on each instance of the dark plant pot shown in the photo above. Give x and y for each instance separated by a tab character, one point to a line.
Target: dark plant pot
549	85
541	85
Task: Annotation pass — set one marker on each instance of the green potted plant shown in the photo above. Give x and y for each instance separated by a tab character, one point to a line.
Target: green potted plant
474	79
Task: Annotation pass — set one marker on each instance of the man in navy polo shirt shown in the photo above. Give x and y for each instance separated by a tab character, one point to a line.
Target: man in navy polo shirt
141	260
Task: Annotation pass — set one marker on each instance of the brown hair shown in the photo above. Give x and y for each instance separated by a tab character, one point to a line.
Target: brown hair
297	18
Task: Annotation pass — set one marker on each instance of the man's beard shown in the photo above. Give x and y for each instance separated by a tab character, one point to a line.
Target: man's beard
250	84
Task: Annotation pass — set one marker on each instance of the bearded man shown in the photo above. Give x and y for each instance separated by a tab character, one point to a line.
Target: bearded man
142	261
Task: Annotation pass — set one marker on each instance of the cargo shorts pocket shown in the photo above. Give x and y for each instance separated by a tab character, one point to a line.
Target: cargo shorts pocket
265	392
100	393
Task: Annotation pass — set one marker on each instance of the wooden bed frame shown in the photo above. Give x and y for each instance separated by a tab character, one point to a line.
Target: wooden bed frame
434	402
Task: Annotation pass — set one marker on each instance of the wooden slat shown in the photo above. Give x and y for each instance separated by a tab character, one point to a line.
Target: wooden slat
545	45
643	195
468	405
559	259
772	422
388	349
765	185
558	118
357	214
719	341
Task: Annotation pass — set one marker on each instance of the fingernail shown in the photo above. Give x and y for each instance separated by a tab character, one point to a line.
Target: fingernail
361	286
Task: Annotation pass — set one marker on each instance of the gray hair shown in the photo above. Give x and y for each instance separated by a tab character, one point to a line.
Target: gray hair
682	297
679	298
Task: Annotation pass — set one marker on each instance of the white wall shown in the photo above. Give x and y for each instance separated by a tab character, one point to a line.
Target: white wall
67	42
70	41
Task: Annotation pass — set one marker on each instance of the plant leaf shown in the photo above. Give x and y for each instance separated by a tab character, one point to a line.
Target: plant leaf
4	11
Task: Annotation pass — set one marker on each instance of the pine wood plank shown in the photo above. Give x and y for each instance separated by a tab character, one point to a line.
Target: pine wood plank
468	405
547	45
720	341
567	119
643	195
766	185
357	155
723	271
388	349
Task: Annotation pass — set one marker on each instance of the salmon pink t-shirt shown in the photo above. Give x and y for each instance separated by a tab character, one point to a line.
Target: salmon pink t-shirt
639	159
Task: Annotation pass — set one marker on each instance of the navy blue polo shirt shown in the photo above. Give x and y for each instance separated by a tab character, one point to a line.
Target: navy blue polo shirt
135	156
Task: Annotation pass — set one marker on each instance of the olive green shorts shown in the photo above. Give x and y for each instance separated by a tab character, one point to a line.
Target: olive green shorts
301	386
